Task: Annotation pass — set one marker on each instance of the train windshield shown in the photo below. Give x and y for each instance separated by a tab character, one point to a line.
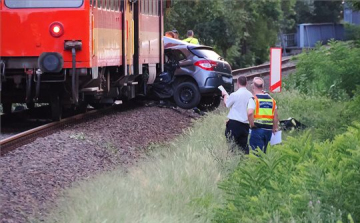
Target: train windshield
43	3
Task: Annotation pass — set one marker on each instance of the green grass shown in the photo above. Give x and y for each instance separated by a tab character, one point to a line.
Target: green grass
325	117
176	183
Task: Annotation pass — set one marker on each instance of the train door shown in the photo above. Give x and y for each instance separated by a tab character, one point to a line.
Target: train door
130	36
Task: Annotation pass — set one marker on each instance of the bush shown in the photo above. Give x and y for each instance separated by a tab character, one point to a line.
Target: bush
299	181
352	107
331	70
352	32
325	117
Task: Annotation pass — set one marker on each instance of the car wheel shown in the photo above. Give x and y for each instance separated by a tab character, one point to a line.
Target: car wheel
187	95
209	103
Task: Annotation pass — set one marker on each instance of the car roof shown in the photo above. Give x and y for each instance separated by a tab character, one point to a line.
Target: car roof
171	43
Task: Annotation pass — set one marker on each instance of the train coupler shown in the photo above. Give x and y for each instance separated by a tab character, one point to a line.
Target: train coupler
29	76
38	81
2	73
73	46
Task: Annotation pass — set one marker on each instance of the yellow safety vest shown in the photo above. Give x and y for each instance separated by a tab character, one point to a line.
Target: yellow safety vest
264	111
191	40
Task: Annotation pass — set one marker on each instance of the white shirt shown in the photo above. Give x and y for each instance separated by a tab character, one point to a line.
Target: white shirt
238	102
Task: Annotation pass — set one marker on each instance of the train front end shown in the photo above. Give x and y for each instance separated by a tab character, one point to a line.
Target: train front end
41	44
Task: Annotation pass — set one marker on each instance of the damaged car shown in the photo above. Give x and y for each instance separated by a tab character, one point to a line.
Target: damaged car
192	75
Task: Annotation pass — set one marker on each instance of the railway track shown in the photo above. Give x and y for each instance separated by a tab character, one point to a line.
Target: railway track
15	141
262	70
11	143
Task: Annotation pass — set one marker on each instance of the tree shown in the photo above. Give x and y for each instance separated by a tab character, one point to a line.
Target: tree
241	31
312	11
356	5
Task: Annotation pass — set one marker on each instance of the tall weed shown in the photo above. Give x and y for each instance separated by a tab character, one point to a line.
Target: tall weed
331	70
325	117
352	32
299	181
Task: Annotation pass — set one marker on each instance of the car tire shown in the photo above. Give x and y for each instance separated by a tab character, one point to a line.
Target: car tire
187	95
209	103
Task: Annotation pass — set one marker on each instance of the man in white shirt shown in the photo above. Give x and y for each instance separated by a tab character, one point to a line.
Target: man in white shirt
237	128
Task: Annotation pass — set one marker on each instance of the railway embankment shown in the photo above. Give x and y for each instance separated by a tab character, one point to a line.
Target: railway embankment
34	175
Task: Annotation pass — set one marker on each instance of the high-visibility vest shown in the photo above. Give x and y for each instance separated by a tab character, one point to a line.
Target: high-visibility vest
191	40
264	111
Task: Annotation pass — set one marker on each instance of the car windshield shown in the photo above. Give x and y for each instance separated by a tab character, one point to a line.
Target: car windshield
206	53
43	3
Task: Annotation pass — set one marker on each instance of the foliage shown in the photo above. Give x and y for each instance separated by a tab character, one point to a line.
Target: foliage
352	32
329	70
352	107
325	117
299	181
177	183
311	11
355	4
241	31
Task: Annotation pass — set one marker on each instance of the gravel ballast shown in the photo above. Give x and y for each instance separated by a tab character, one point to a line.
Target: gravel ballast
32	176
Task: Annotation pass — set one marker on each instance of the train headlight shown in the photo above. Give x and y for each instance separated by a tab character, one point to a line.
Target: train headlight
56	29
51	62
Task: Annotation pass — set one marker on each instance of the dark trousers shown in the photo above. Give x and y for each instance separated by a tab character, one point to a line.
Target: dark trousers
238	132
260	138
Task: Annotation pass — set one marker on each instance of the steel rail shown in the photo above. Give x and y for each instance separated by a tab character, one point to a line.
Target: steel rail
266	73
15	141
255	68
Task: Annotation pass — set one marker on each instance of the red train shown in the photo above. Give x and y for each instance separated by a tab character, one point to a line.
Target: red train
71	53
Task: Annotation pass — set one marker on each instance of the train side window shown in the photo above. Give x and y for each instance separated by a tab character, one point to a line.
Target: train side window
150	7
146	7
121	5
156	6
99	3
142	4
159	7
112	4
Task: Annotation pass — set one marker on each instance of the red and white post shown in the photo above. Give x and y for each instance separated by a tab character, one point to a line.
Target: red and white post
275	69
